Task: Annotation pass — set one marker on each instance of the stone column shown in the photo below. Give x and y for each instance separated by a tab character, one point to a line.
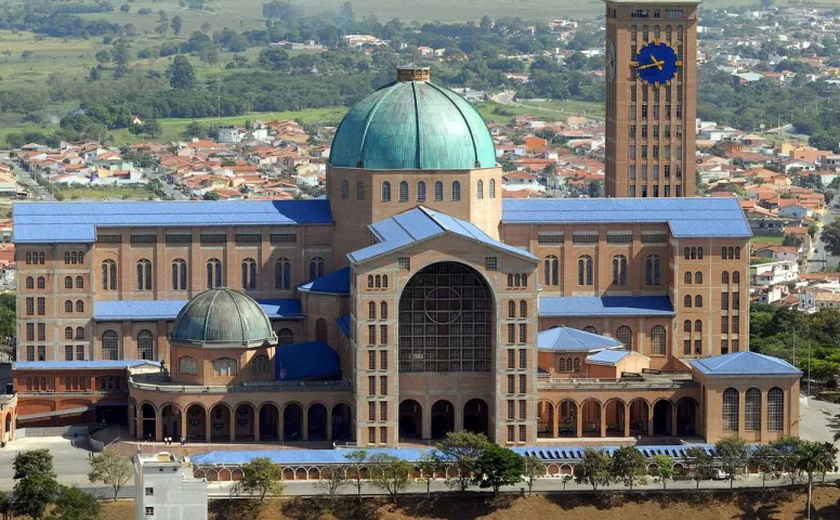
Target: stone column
158	426
279	424
232	426
763	427
208	427
627	420
674	430
182	425
602	421
426	421
304	434
256	426
132	419
329	424
650	421
555	422
579	422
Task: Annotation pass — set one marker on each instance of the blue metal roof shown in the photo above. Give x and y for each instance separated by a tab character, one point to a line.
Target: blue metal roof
336	282
148	310
312	360
413	125
567	339
744	364
419	224
315	457
605	306
687	217
81	365
608	357
344	325
76	222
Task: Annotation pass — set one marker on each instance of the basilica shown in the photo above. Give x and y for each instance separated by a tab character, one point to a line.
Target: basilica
412	301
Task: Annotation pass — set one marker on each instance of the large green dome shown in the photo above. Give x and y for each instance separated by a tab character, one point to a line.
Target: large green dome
222	318
412	124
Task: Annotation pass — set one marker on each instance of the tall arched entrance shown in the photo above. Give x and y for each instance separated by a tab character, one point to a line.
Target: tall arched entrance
269	422
341	422
244	428
443	419
316	422
639	417
662	417
196	420
220	423
170	416
293	422
687	417
148	417
476	417
411	419
545	420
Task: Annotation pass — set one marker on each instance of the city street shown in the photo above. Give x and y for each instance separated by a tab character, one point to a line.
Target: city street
821	260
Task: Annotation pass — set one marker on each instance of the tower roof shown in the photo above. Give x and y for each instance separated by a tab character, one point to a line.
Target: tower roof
413	124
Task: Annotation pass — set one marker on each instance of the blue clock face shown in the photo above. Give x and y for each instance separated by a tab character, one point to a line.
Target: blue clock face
656	63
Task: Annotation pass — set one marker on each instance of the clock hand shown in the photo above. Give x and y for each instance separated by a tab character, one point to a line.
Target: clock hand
654	64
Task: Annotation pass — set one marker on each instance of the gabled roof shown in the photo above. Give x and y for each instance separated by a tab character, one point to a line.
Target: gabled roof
336	282
605	306
312	360
607	357
76	222
744	364
567	339
687	217
420	224
147	310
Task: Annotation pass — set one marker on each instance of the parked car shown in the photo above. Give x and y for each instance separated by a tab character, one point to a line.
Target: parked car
719	474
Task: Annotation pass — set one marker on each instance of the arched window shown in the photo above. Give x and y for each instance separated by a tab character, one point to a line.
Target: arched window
687	278
775	410
492	188
590	329
80	306
282	273
687	302
731	410
724	277
456	191
698	301
214	273
372	310
179	274
74	258
687	326
723	255
68	306
30	282
699	253
285	337
80	333
585	270
686	255
360	190
188	366
321	330
145	345
403	191
577	365
42	282
511	309
67	257
561	364
752	410
109	275
657	341
523	309
386	191
698	277
551	270
421	191
624	334
316	268
698	326
41	257
438	191
260	365
384	281
68	333
29	257
480	189
68	282
345	189
383	311
653	270
224	367
370	281
619	270
110	346
736	277
80	282
524	280
249	274
144	275
737	253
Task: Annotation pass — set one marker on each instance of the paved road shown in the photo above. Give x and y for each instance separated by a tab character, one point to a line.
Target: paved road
821	260
26	180
169	189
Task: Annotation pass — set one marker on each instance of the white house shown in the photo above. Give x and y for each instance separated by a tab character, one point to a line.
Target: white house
774	273
165	489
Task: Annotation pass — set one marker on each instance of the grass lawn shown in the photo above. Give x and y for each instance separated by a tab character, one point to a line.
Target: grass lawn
112	192
570	107
768	240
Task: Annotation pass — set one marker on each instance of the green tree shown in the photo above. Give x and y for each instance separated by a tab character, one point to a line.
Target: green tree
261	477
732	454
358	460
814	458
664	470
72	504
429	465
333	480
699	464
534	469
177	23
36	486
462	449
163	23
390	473
181	74
112	469
6	506
765	459
120	52
103	57
628	466
787	449
593	469
497	466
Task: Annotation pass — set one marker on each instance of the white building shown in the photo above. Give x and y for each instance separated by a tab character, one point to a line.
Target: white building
774	273
165	489
230	134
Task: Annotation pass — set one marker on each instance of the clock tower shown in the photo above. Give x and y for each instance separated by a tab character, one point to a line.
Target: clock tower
651	94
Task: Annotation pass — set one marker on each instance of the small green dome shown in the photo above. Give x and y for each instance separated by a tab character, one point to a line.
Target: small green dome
223	318
413	125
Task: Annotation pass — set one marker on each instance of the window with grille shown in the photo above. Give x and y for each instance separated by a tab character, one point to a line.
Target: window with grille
523	333
523	409
383	385
421	191
285	337
248	238
179	274
619	269
438	191
188	366
511	384
371	385
143	239
371	410
551	270
109	239
225	367
404	263
249	273
282	273
511	355
653	270
511	332
523	387
383	360
619	238
775	410
456	191
345	189
736	347
585	239
145	345
360	190
724	324
585	270
511	410
283	238
731	410
383	334
625	335
724	346
109	275
491	263
316	267
523	358
386	191
30	332
371	435
30	306
752	410
550	238
383	412
42	306
110	346
213	238
657	341
178	238
144	275
724	301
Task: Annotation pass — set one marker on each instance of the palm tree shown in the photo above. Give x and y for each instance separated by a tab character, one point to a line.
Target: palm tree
814	457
